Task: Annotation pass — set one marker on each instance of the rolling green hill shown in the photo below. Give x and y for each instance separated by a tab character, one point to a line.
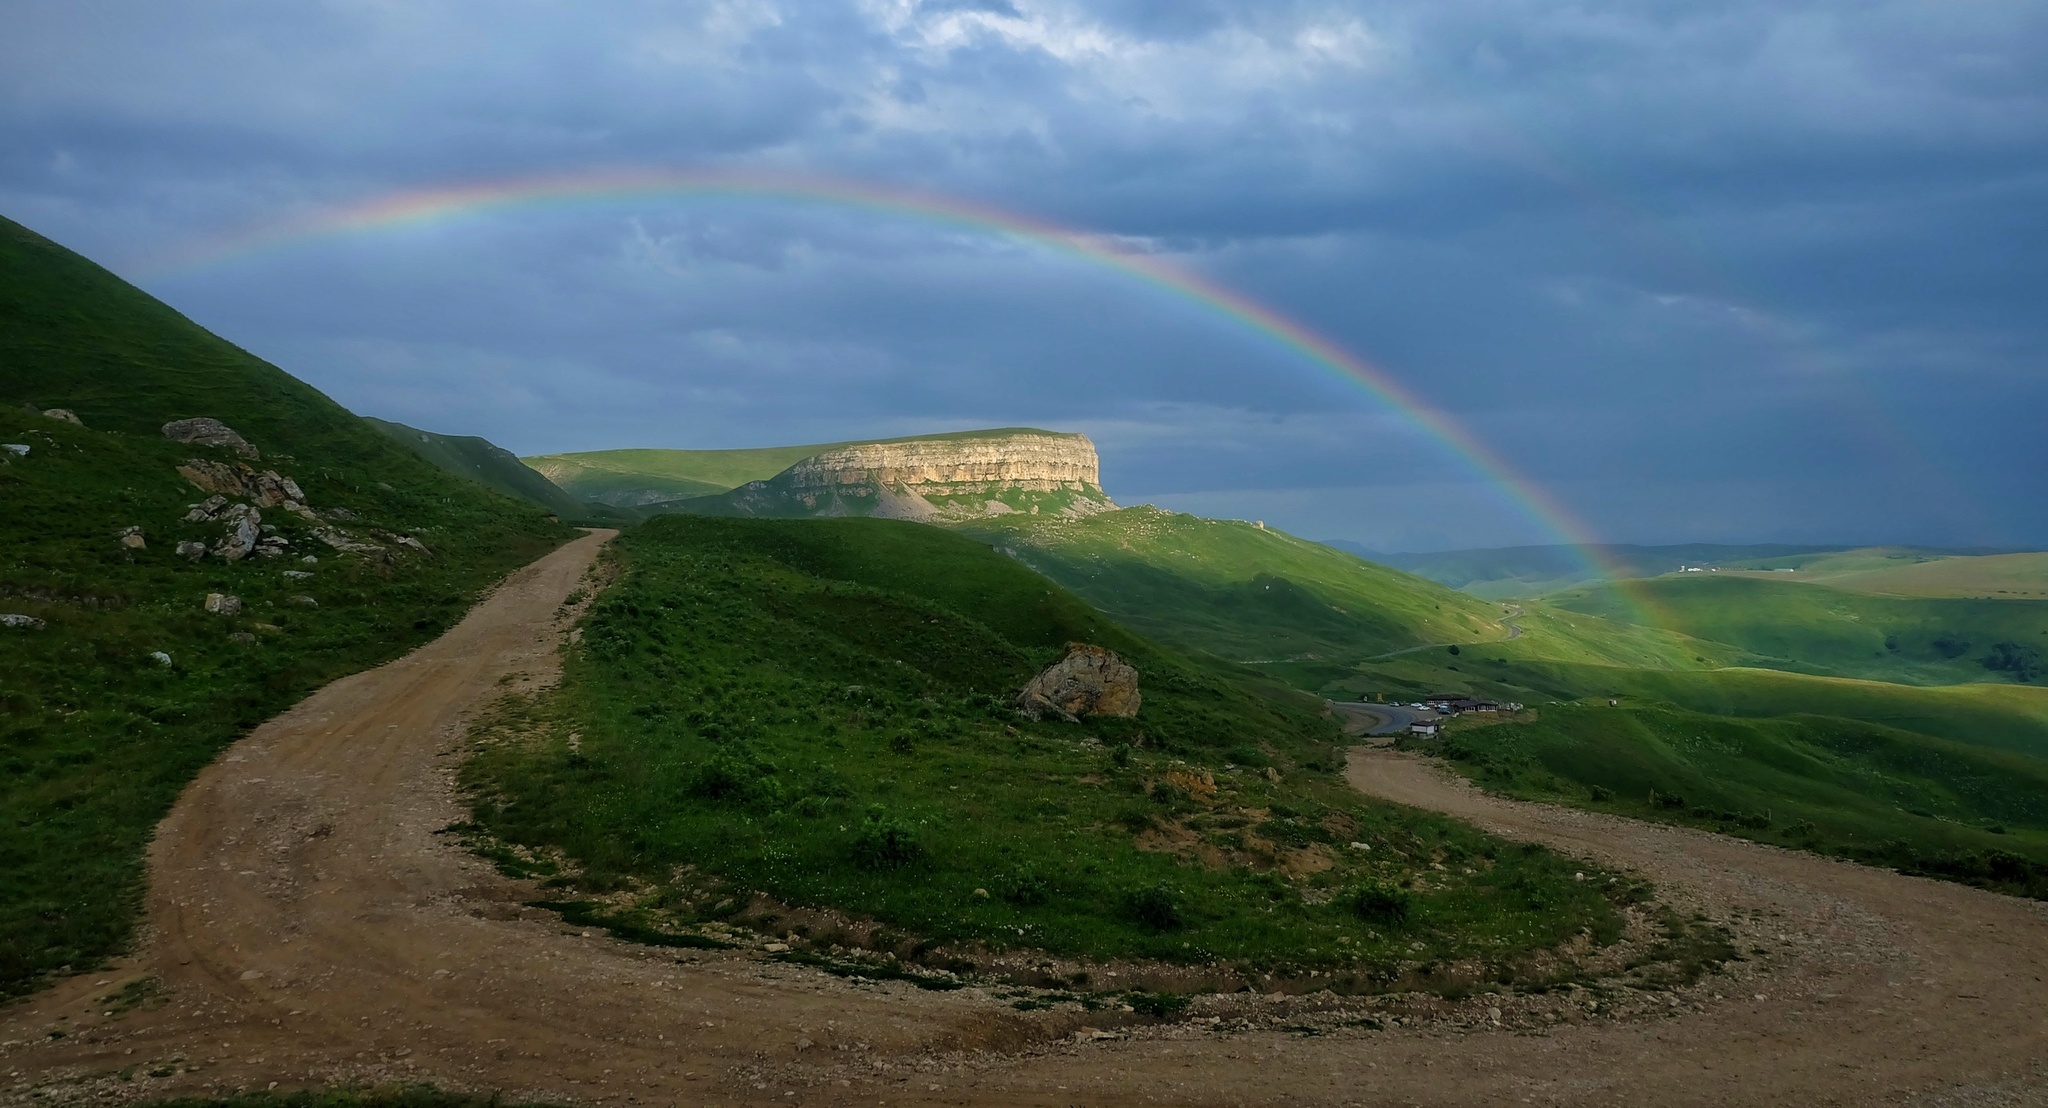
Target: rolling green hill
127	685
1870	792
1817	629
495	467
639	477
1900	571
767	719
1240	591
1520	572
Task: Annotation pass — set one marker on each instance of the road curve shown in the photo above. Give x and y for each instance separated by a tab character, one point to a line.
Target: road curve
308	924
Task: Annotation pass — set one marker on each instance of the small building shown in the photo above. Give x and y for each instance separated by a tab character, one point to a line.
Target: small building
1425	727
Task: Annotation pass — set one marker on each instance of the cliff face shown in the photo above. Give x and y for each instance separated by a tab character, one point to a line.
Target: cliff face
931	480
1024	461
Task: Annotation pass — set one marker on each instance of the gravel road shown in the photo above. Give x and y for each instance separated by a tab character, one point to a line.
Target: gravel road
309	923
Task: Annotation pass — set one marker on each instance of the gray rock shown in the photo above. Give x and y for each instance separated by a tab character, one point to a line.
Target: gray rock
65	414
159	657
25	623
131	537
192	550
18	449
311	560
242	637
1089	681
296	574
207	431
220	604
302	601
206	509
244	525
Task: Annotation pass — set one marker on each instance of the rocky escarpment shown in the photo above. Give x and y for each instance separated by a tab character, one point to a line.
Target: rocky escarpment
933	480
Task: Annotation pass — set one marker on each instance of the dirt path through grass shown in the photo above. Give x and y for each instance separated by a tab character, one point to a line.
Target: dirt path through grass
308	924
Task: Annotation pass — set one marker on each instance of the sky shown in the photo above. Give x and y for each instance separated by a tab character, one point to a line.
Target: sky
1738	271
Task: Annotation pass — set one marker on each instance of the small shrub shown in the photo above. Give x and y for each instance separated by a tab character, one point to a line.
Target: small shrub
1382	904
1601	794
902	742
1023	888
1155	908
733	778
1156	1005
885	844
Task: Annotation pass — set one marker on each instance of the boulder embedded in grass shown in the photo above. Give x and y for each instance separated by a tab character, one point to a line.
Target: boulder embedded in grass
207	431
1089	681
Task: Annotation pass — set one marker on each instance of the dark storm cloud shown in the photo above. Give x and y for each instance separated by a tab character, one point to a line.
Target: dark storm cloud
1741	270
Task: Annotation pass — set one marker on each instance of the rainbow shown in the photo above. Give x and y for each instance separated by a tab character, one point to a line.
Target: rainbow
427	206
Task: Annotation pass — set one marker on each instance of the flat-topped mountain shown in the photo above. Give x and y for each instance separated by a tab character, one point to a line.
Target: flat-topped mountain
951	477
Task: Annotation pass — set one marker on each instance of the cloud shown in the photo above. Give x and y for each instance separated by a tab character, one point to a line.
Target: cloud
1771	250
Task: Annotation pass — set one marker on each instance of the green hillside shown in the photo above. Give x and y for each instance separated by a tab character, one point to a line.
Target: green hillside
495	467
1899	571
637	477
1240	591
766	719
1847	787
1817	629
97	736
1520	572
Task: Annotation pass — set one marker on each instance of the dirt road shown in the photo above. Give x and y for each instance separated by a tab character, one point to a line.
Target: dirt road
309	924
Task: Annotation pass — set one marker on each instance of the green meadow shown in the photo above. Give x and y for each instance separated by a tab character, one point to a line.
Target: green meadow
771	719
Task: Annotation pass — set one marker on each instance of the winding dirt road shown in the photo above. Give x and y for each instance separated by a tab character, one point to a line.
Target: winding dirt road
308	924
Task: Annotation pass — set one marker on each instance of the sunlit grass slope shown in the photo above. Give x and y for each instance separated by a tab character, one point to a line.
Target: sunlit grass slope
1240	591
96	737
1893	571
1840	786
633	477
1817	629
820	713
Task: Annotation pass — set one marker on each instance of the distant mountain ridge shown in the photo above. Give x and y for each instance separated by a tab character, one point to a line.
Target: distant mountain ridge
497	468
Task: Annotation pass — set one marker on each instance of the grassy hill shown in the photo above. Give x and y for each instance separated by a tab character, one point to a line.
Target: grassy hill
1902	571
1520	572
637	477
1841	786
97	736
806	727
497	468
1240	591
1818	629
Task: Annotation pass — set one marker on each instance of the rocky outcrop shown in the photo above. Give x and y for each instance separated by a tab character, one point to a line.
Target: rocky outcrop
65	414
932	480
224	605
207	431
1089	681
266	487
20	622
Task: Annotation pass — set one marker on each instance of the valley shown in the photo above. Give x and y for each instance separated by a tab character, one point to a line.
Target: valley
926	763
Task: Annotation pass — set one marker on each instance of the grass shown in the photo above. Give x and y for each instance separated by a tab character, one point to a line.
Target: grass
806	725
1239	591
1893	571
1834	632
500	470
1837	786
96	737
633	477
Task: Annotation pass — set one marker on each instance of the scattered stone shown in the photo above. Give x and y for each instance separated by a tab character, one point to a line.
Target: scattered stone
26	623
242	637
160	658
207	431
776	948
18	449
192	550
342	514
223	605
414	544
302	601
131	537
1089	681
206	509
343	541
243	523
65	414
299	574
311	560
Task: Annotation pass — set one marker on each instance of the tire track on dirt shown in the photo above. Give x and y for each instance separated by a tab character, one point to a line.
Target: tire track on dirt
309	925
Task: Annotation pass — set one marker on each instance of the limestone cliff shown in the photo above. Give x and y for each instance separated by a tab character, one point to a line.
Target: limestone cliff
932	480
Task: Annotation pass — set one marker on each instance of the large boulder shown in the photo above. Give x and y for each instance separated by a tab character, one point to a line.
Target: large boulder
1089	681
207	431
